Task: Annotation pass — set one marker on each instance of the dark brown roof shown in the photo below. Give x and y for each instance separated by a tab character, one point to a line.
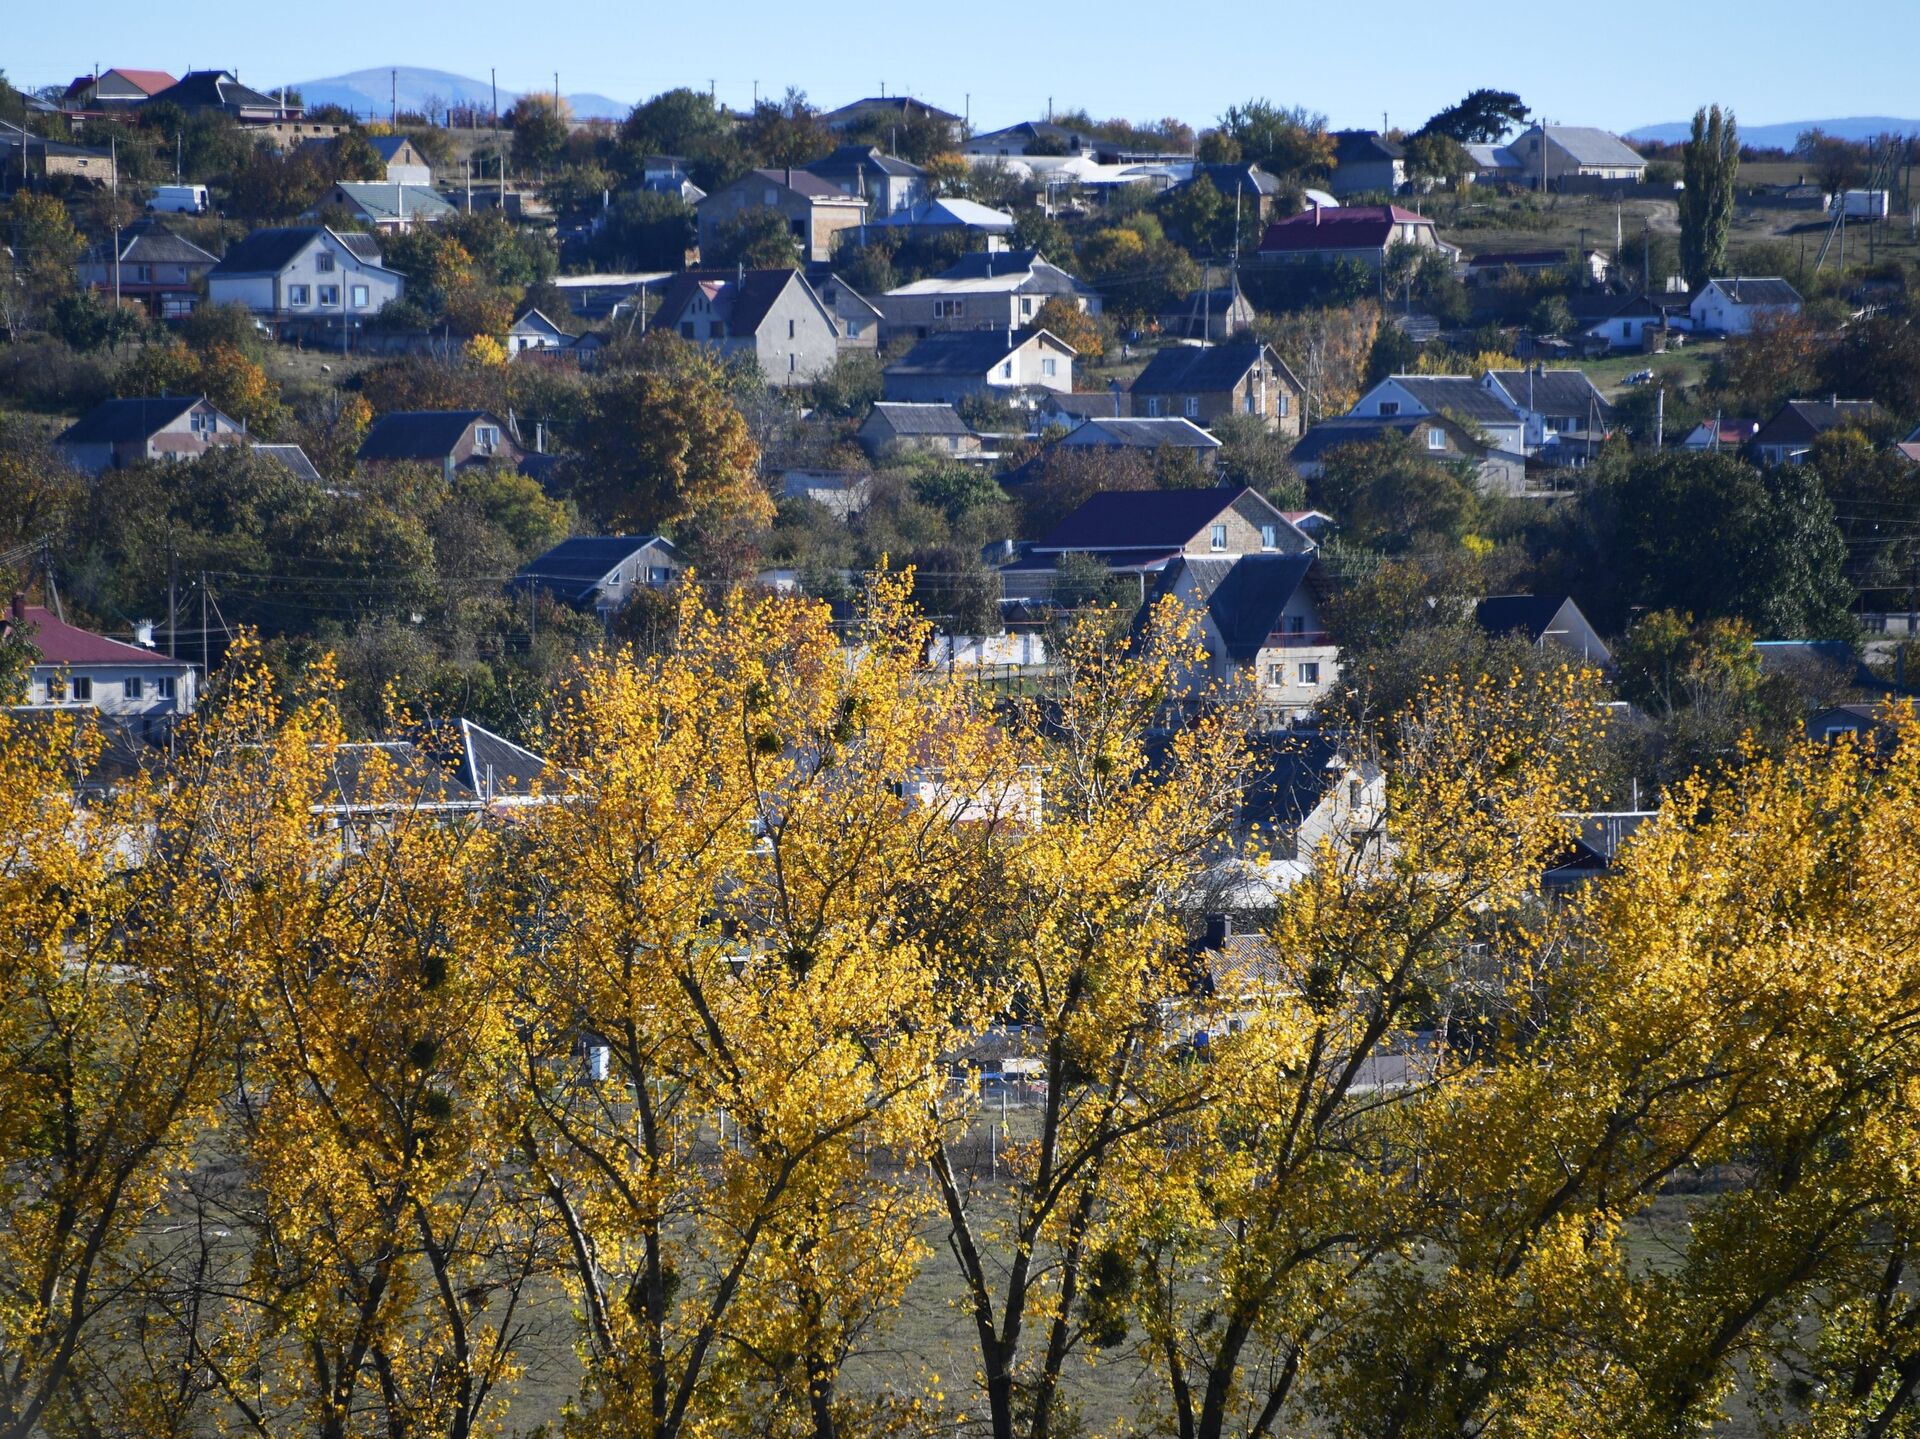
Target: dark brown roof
1142	519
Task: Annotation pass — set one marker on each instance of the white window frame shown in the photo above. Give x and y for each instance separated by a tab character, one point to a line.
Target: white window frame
164	687
1269	537
326	296
1193	407
486	439
323	263
1436	438
1048	367
1217	540
299	294
360	296
1309	673
134	688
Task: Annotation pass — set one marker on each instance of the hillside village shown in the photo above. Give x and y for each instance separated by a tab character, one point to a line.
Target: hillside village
1434	510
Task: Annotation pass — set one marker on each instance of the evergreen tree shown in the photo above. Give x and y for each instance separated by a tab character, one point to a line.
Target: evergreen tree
1706	205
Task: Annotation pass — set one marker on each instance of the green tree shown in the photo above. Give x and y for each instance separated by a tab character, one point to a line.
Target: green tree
540	130
1437	158
1481	118
1292	142
1711	165
44	247
645	231
786	131
1709	534
351	156
758	238
1390	496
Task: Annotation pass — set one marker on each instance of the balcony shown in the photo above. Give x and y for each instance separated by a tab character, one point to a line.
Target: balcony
1299	640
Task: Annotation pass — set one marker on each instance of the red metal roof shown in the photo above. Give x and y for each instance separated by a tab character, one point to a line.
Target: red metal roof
152	81
1342	227
60	643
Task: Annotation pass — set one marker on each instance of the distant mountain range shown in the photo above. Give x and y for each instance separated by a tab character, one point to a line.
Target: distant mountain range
370	93
1781	137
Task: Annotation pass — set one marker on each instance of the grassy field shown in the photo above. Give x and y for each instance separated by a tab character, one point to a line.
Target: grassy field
1687	366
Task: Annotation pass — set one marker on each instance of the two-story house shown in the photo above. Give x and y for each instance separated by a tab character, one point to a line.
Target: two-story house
1151	435
220	91
1260	624
987	290
1205	383
1361	233
1438	437
773	315
156	267
451	439
947	368
857	317
130	685
1542	620
886	182
599	572
116	89
117	433
815	210
306	272
1143	531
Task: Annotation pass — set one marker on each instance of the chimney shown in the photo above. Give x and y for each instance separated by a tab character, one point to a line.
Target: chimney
143	634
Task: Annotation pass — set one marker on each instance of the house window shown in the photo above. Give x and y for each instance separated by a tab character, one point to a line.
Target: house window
853	329
323	263
1193	407
1048	368
56	690
299	295
1436	439
793	363
1310	672
163	687
329	294
1006	370
360	297
1252	403
1296	624
486	439
949	309
1353	794
1282	404
686	328
1276	674
82	689
1269	536
134	688
1026	305
790	329
1219	538
657	575
1153	407
1389	407
773	196
1626	329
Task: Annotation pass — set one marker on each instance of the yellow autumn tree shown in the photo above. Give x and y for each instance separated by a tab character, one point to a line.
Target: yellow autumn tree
751	895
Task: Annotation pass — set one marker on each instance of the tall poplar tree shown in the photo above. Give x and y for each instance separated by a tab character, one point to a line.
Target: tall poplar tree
1706	206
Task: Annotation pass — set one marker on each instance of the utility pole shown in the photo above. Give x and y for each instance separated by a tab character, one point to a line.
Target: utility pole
393	99
1660	419
113	164
205	669
173	651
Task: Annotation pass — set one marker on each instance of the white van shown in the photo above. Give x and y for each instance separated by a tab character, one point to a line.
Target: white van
180	200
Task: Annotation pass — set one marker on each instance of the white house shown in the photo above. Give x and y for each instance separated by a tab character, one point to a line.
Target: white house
986	290
305	271
1457	396
1734	305
1262	621
132	685
534	331
949	367
122	432
600	572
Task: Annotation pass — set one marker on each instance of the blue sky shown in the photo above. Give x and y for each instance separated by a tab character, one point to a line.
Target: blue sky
1619	63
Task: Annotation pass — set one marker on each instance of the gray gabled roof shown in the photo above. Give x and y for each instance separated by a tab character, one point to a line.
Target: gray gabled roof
293	459
1555	392
114	422
1328	435
1458	395
419	434
269	251
957	352
383	200
151	243
1244	597
1202	368
849	161
919	419
1144	519
1155	433
1591	146
573	569
1768	291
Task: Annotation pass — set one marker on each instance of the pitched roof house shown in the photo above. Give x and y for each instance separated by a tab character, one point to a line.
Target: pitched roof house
405	164
814	209
1570	151
1459	396
884	107
946	214
1439	437
1566	417
773	315
451	439
1367	162
1215	314
389	208
1789	435
1206	383
201	90
117	89
857	317
1144	531
1260	620
951	366
1543	619
534	331
599	572
1362	233
115	433
157	267
1122	433
886	182
989	289
306	272
1242	182
131	685
1733	306
892	425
